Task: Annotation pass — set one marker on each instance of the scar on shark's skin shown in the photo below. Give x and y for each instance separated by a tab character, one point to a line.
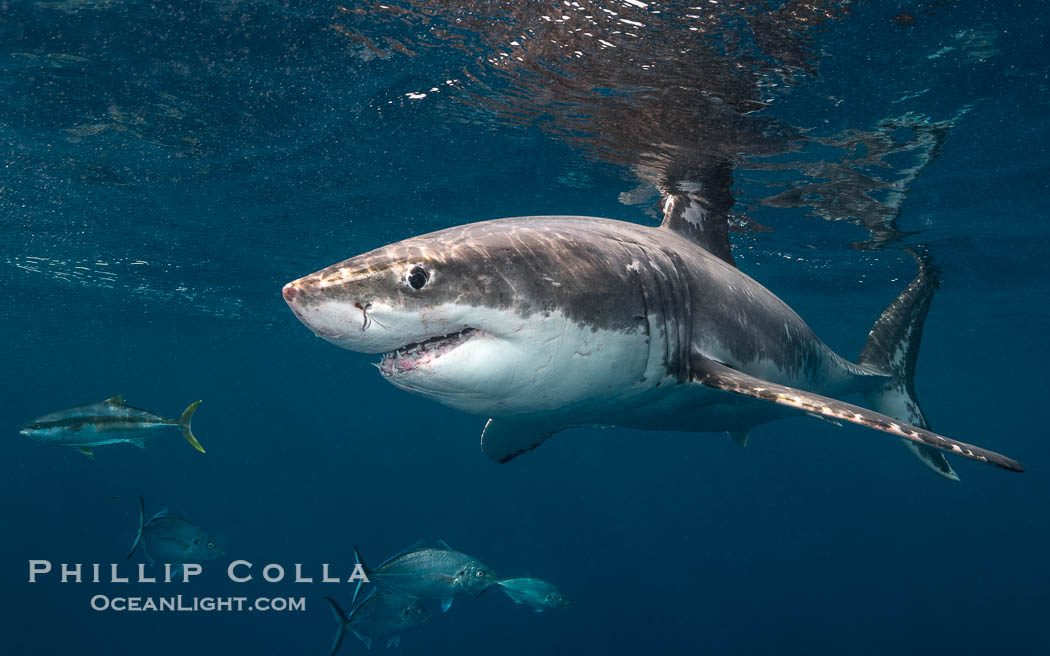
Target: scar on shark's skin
367	319
493	318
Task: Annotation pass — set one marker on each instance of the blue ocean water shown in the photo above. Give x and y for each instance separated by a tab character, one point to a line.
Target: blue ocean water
168	167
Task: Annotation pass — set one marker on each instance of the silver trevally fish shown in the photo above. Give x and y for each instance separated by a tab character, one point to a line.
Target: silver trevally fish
434	573
106	422
381	615
532	592
168	538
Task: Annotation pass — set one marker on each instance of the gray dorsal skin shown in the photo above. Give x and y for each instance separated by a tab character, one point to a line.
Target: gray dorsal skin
549	322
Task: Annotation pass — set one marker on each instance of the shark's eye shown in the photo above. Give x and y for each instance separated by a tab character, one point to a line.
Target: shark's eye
211	545
418	277
479	573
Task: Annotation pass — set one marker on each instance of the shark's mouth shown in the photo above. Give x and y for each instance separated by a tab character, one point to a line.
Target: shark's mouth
420	354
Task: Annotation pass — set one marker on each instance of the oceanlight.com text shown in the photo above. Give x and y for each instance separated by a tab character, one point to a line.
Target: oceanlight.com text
191	604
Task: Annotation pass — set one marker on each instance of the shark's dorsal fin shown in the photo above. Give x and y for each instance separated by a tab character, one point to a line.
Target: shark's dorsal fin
115	400
719	376
505	439
697	208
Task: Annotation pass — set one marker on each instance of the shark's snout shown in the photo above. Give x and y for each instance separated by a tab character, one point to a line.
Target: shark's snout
339	318
309	290
303	293
293	297
290	291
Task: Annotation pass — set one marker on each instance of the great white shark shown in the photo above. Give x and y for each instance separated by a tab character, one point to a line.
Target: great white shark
545	323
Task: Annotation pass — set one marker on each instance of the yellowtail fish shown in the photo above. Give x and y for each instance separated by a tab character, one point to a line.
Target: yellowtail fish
106	422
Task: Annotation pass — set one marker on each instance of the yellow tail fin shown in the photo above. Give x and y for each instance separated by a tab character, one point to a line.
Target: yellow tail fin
184	426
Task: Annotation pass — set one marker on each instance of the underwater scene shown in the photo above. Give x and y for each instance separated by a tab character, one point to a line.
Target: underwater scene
517	327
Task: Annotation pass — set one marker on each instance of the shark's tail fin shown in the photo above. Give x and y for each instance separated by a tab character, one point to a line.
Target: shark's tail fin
142	523
341	621
893	347
184	426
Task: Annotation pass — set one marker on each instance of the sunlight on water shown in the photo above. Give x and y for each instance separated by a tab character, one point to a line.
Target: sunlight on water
152	282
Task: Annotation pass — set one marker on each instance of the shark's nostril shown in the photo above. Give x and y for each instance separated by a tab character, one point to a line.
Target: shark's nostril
289	292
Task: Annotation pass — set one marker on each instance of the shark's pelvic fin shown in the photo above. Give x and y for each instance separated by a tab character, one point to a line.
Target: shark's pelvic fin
893	347
719	376
739	437
505	439
86	450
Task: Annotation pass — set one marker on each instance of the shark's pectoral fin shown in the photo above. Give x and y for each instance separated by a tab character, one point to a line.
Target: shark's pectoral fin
719	376
504	440
86	450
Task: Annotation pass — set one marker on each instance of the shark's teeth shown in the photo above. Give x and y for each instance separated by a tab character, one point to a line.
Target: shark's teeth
417	354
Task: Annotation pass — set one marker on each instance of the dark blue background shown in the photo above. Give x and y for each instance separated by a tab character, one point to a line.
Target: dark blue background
280	149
